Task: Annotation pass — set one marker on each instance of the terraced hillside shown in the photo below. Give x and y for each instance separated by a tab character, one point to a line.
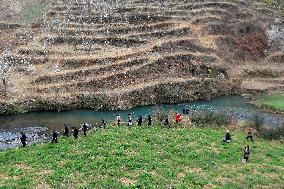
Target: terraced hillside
119	54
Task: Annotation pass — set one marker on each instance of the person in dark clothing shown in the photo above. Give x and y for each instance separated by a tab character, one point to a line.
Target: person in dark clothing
85	128
66	131
186	111
129	123
23	139
246	153
140	120
118	119
249	135
166	121
149	120
75	133
103	123
227	137
54	137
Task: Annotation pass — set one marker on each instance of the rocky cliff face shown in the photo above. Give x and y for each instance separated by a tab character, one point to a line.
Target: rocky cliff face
116	55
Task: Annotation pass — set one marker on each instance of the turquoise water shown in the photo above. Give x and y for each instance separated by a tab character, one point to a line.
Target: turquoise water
39	125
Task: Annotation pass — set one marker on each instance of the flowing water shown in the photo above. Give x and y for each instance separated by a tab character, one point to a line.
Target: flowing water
39	125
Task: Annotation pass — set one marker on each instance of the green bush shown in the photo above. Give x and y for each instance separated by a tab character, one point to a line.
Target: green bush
273	133
209	118
257	122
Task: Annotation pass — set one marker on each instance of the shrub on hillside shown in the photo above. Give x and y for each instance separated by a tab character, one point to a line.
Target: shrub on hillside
276	133
252	45
275	35
257	122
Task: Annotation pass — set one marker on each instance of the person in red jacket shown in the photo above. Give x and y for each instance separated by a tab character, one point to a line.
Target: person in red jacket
178	117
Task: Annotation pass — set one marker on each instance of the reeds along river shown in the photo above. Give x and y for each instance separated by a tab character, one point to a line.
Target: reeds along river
39	125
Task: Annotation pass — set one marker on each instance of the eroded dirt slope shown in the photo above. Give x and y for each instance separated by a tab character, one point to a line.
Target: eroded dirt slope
108	55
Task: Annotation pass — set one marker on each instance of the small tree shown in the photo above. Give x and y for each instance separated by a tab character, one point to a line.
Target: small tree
275	35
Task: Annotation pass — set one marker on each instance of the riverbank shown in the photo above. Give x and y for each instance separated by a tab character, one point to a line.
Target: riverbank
271	103
42	124
145	157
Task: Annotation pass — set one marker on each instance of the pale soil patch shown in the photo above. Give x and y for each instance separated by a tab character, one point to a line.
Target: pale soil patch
43	185
214	149
208	186
45	172
24	167
209	41
197	28
223	180
131	152
193	170
5	177
266	187
127	181
181	175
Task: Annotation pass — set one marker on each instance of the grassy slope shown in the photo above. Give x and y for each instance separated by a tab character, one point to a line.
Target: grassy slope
278	4
145	158
31	14
274	102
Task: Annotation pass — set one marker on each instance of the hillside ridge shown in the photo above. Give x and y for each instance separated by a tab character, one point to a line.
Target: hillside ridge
83	50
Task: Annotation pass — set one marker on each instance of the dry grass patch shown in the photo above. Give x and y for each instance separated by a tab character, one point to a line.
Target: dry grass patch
131	152
24	167
127	181
43	185
208	186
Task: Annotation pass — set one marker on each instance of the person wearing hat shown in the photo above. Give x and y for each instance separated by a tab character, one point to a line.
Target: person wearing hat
227	137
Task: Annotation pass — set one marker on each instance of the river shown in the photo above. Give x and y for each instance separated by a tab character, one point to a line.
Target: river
39	125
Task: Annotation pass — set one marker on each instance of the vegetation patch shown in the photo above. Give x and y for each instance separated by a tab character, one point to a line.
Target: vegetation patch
276	4
271	102
145	157
33	13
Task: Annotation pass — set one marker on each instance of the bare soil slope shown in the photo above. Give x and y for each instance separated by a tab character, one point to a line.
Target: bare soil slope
108	55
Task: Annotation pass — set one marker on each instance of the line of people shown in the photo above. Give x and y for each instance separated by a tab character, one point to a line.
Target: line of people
178	118
54	136
140	120
85	127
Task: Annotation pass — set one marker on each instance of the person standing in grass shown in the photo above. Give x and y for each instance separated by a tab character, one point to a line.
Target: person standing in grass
75	132
166	121
149	120
129	123
23	139
54	137
118	119
249	135
85	128
140	120
103	123
246	153
66	131
178	118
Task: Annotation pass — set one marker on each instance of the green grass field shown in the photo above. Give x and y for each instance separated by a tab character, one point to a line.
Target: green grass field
33	13
145	158
273	102
277	4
